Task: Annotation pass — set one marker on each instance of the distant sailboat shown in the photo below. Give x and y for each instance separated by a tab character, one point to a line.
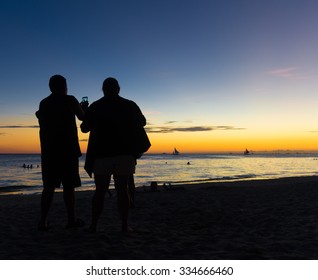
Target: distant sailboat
175	152
246	152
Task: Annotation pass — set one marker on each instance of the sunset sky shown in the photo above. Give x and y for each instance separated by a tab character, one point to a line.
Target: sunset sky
209	75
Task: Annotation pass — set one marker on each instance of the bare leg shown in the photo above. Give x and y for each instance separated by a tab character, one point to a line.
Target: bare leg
121	185
46	201
131	188
102	185
69	200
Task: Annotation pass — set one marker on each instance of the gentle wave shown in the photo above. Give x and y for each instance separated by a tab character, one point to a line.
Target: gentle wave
192	168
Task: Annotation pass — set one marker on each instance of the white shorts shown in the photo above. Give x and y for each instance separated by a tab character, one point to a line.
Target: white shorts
116	165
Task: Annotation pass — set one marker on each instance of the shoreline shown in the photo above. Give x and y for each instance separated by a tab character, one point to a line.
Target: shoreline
18	190
254	219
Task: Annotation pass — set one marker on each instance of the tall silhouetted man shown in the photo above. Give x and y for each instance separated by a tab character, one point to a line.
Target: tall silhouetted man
60	149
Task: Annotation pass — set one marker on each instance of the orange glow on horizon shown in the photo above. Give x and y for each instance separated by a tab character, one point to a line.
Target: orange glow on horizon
27	141
24	140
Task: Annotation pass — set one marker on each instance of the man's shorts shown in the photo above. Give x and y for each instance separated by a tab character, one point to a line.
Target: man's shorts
63	171
116	165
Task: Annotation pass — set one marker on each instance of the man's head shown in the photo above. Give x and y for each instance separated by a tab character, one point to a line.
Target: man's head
111	87
58	84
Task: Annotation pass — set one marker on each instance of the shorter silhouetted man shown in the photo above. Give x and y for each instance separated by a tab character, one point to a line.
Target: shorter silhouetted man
60	149
112	122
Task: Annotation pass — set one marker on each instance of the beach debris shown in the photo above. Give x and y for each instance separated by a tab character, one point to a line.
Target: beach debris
167	186
154	186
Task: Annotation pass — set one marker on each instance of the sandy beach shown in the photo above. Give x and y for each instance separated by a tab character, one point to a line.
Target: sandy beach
266	219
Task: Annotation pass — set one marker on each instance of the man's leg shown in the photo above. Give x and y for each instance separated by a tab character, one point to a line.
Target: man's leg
121	186
46	201
131	188
102	185
69	200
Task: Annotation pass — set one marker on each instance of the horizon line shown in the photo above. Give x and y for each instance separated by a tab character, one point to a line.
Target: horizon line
277	151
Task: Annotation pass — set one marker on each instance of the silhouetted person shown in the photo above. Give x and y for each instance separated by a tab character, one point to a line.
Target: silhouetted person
112	122
59	148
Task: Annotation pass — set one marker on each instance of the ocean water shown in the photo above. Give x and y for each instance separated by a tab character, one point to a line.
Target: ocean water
174	169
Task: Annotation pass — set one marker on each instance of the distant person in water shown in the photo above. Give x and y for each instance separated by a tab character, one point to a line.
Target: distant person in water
60	149
112	121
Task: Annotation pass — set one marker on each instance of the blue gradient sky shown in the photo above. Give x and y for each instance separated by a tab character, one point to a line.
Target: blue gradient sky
209	75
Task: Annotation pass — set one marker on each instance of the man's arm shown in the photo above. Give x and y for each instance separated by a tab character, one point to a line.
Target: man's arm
85	125
141	120
77	109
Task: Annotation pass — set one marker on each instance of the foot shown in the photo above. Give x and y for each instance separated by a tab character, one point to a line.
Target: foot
126	229
76	224
91	229
42	226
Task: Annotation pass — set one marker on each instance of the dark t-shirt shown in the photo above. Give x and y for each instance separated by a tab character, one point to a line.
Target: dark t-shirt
58	131
112	122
